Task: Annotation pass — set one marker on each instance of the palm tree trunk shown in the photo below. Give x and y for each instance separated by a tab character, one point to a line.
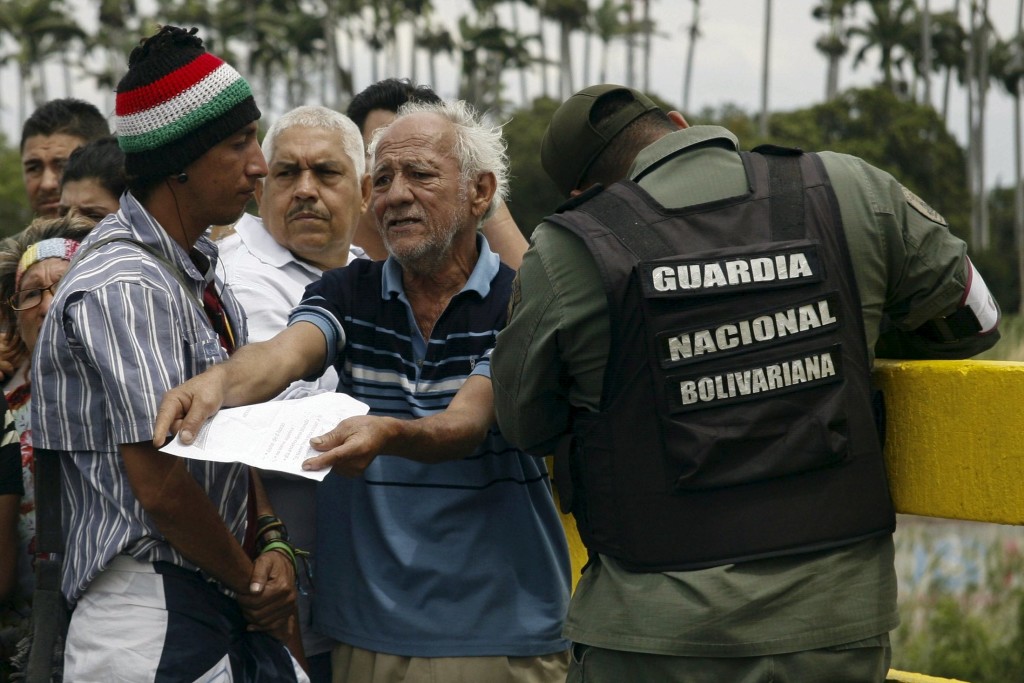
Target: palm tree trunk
352	57
926	52
22	93
832	75
630	45
588	41
543	62
1018	187
565	87
433	70
65	67
688	73
763	127
949	73
523	97
330	28
605	47
977	86
982	85
648	33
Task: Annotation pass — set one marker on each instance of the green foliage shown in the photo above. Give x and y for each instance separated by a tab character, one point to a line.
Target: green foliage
968	627
533	195
1011	340
15	213
903	138
999	263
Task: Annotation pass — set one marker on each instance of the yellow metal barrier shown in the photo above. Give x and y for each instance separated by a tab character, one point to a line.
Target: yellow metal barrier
904	677
955	438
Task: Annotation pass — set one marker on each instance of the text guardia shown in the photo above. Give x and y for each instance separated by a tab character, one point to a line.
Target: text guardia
732	272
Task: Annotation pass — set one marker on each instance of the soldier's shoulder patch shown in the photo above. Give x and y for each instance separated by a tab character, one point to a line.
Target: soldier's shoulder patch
922	207
514	297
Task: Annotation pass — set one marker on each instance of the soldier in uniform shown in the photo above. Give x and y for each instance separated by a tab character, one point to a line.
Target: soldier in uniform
692	335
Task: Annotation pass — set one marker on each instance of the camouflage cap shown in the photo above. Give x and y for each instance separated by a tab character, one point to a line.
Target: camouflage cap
573	141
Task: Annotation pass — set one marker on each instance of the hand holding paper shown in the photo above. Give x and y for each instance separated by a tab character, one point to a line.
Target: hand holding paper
273	435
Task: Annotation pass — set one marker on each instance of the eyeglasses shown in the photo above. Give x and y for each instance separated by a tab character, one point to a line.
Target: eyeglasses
30	298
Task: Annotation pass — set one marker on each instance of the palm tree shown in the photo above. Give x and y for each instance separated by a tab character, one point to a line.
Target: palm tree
487	50
121	27
1007	66
977	93
41	29
763	126
417	14
517	29
570	15
648	37
630	45
926	52
607	26
949	46
888	30
335	74
694	34
834	44
381	34
1017	71
436	40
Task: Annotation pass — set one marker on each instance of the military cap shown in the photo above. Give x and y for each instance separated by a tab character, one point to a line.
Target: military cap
573	140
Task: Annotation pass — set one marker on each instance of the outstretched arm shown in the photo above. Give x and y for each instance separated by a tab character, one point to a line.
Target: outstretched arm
449	435
256	372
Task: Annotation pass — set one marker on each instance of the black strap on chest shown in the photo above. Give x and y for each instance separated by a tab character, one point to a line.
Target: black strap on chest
49	538
785	180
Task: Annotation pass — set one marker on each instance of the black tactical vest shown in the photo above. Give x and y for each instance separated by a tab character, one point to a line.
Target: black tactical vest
737	416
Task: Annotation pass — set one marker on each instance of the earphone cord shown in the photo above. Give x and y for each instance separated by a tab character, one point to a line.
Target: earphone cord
222	315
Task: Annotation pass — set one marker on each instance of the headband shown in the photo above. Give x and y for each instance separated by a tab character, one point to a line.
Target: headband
55	247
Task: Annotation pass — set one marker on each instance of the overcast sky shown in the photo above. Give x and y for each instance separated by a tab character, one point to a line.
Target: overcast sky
727	65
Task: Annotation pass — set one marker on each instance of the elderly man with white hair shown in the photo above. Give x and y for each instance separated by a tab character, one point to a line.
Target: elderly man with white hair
447	562
309	203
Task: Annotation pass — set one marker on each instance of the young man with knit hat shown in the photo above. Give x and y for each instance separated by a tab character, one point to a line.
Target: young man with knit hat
158	563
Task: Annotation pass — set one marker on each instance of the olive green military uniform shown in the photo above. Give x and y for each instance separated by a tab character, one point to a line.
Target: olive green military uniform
552	355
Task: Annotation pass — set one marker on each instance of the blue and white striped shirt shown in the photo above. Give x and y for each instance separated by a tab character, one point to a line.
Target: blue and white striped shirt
120	332
456	559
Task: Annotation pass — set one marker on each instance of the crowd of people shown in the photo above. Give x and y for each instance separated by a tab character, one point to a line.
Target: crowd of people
690	335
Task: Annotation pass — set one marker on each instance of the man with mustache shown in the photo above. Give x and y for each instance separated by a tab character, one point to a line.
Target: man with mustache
310	203
449	563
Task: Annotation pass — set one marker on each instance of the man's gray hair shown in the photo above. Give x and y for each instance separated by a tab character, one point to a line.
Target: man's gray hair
315	116
479	147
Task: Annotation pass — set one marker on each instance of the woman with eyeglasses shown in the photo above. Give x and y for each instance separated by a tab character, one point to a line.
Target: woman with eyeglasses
31	266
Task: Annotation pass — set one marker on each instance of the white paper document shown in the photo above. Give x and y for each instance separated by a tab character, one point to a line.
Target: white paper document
273	435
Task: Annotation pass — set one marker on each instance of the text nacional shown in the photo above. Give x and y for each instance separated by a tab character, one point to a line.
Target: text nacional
796	320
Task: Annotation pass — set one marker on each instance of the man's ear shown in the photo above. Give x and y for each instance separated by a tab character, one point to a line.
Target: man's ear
481	192
366	188
678	119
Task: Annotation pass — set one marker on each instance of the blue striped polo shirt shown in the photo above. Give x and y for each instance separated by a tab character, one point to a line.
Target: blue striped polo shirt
120	332
461	558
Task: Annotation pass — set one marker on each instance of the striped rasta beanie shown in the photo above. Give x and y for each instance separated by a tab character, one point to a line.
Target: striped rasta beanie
176	102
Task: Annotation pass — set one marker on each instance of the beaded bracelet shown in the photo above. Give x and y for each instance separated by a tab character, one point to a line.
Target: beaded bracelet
270	524
285	547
